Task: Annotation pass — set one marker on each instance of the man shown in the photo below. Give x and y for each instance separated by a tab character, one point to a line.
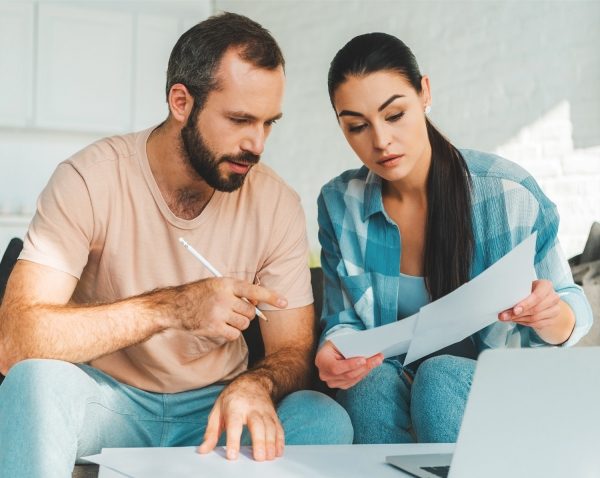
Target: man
102	281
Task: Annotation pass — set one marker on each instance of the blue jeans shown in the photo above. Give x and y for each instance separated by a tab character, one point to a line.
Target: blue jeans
53	412
386	408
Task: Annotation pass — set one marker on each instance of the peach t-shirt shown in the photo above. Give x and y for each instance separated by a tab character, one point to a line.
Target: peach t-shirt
102	219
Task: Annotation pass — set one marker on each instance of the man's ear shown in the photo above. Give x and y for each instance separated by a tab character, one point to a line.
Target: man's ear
180	102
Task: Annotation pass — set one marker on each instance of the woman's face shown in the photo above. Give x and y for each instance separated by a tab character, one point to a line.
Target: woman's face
382	117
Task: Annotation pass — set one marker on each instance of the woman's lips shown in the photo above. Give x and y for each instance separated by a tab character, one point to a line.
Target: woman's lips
390	160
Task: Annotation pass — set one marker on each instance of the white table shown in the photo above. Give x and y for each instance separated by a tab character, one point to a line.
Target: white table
298	461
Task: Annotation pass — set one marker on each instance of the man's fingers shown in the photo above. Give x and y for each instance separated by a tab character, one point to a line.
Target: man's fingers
280	439
270	437
244	308
213	430
230	333
256	427
238	321
235	425
256	293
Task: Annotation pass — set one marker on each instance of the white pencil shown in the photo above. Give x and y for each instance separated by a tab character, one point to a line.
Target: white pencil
213	271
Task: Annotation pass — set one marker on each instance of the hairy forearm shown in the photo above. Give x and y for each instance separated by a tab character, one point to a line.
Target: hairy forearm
282	372
80	333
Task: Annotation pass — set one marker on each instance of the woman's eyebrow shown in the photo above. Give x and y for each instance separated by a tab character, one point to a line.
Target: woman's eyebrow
387	102
384	105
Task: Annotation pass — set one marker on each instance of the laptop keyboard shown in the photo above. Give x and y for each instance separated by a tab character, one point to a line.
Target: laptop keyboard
441	471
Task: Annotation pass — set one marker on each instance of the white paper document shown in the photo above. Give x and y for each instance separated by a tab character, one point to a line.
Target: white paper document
315	461
466	310
391	339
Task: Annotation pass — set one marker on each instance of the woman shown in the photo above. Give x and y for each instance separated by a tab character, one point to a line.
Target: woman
419	219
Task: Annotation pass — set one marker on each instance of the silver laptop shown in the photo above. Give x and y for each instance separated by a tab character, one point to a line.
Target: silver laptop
531	413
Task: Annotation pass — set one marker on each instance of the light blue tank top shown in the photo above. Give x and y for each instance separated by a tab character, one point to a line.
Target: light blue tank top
412	295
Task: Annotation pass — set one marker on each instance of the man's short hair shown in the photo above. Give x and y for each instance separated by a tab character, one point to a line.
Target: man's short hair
198	52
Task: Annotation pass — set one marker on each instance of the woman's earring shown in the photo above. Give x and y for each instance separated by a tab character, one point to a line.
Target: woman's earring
428	109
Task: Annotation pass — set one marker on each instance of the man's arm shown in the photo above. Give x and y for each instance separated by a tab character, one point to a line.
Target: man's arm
289	338
36	320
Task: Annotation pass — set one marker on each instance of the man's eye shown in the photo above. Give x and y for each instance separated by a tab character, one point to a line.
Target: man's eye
238	120
270	122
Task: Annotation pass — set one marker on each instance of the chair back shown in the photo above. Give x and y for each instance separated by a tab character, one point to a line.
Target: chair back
9	259
252	336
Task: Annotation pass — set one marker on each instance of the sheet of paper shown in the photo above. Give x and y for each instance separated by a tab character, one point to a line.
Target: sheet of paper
476	304
463	312
319	461
105	472
391	339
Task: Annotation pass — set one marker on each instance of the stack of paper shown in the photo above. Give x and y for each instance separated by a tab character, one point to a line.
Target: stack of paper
452	318
315	461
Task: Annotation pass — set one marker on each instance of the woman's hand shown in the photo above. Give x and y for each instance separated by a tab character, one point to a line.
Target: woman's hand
542	310
338	372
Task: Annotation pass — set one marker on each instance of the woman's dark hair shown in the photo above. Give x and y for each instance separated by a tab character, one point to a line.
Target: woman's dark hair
198	52
449	232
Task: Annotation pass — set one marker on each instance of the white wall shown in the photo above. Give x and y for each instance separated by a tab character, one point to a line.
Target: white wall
518	78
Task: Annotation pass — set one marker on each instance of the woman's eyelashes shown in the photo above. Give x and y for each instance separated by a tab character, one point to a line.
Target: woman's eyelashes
395	117
357	128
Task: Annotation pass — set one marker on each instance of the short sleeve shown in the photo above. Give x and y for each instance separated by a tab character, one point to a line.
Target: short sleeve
286	269
61	230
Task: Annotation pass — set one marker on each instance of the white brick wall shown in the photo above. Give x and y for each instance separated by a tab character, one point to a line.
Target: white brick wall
569	176
518	78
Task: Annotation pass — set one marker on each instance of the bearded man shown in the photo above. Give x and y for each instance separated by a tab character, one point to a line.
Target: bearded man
113	335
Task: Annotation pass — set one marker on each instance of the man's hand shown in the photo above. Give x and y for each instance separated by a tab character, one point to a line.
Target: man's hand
245	402
338	372
215	308
552	319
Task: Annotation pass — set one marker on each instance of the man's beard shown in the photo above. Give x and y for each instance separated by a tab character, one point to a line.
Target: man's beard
206	163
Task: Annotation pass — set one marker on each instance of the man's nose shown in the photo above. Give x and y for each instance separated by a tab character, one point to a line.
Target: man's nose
255	141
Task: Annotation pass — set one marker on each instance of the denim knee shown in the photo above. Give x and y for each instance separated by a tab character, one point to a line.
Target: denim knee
37	380
444	374
439	395
311	418
378	406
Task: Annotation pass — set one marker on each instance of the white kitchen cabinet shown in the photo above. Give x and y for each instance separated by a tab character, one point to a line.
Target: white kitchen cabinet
84	68
156	36
89	66
16	64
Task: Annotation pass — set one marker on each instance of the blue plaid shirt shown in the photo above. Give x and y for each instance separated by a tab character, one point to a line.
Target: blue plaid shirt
361	248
